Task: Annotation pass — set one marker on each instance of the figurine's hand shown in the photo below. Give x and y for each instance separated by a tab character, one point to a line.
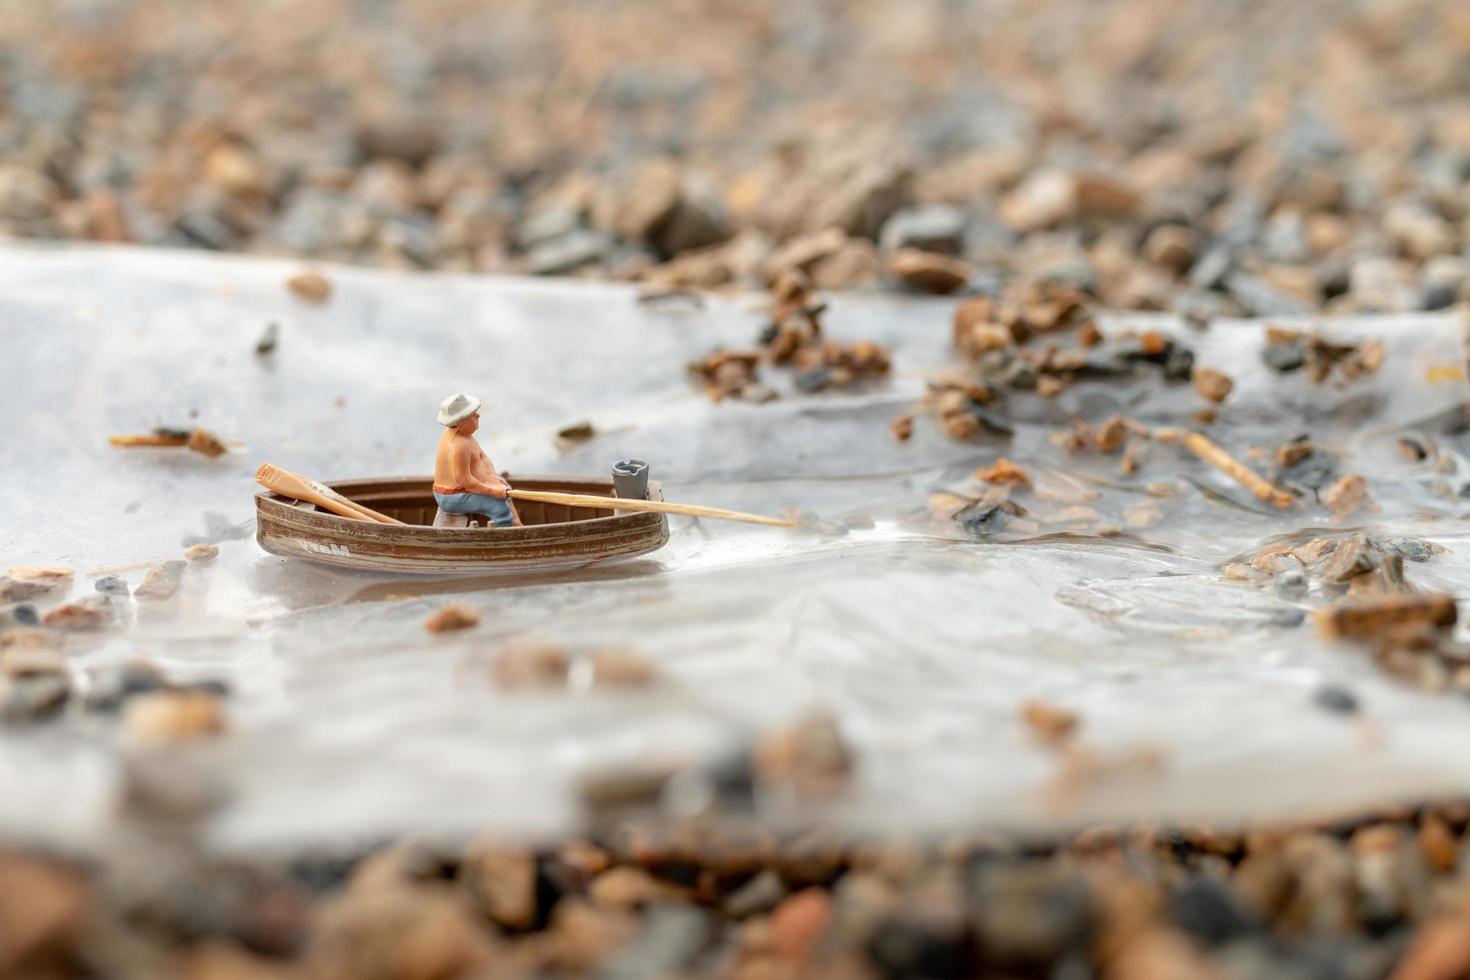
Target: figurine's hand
501	489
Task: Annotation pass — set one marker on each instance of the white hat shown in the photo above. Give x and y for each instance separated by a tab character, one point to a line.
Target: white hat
458	407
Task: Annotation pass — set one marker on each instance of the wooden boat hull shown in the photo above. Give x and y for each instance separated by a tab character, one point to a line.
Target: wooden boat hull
554	536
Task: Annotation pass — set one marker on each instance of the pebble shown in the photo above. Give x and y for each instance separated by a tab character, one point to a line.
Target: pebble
1285	356
808	757
111	585
167	717
759	895
1212	385
451	618
501	882
31	698
1207	909
44	577
109	687
798	922
18	614
930	272
1050	722
621	668
532	666
162	581
201	552
935	228
568	253
310	286
92	613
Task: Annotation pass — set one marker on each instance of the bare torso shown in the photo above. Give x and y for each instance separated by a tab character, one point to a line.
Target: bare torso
461	465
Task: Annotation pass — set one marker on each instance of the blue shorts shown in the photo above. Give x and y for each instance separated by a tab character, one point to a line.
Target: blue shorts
496	509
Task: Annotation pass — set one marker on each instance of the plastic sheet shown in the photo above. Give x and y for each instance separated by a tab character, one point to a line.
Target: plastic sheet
349	720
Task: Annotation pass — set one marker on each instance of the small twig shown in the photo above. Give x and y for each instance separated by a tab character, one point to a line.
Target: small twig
1210	452
94	573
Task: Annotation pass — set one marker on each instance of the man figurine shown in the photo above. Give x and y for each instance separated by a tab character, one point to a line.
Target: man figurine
465	481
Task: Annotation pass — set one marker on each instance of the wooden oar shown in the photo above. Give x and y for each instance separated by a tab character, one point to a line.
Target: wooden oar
657	506
289	484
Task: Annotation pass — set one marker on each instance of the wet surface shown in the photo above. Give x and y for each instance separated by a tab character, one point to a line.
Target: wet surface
349	720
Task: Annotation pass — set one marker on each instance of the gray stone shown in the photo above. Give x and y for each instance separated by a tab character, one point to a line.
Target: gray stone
760	894
18	614
547	225
1212	268
1286	356
1285	239
1260	298
931	227
32	698
700	219
111	686
1291	584
1336	699
111	585
568	252
25	194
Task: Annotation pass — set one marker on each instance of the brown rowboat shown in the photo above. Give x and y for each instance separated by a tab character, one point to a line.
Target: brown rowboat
554	535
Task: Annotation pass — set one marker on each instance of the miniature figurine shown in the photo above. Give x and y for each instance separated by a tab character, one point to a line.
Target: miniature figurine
465	481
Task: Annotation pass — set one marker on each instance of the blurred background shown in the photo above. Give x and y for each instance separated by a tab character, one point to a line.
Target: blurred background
1314	152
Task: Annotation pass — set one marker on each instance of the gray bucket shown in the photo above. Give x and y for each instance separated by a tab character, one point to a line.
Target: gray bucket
630	479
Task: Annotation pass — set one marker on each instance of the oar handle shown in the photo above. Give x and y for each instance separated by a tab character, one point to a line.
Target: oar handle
653	506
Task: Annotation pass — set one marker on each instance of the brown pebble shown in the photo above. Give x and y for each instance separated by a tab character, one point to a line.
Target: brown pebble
962	425
931	272
1212	385
29	638
31	661
454	617
175	716
44	576
1345	497
621	668
797	924
1088	335
87	614
44	908
310	286
1051	722
902	427
1048	386
627	887
1171	246
1003	471
582	936
809	757
540	665
1112	433
1440	950
1438	845
162	580
1364	620
201	552
501	881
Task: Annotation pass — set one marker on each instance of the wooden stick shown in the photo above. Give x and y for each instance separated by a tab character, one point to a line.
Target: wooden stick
130	566
656	506
149	439
1210	452
289	484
